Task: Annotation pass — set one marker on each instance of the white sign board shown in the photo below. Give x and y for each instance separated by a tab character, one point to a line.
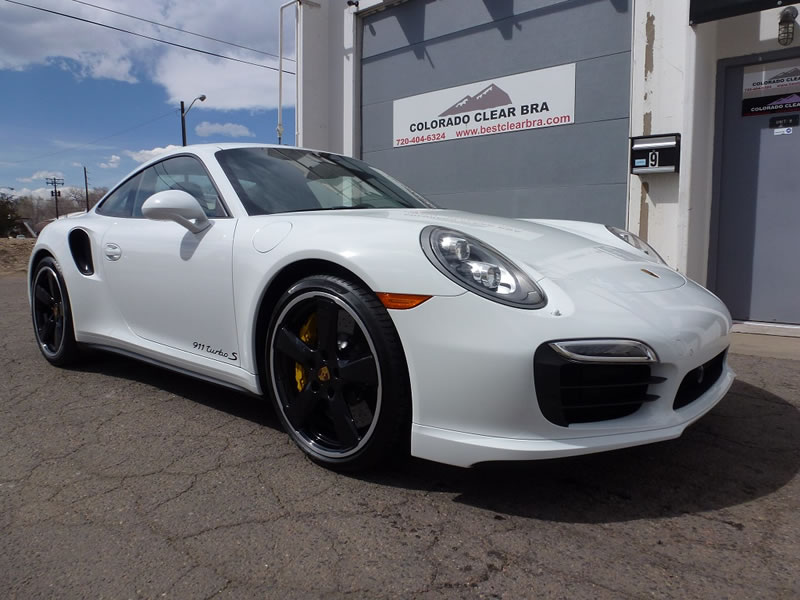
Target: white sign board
531	100
771	87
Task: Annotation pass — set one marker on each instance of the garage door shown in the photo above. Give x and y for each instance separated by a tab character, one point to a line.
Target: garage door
478	60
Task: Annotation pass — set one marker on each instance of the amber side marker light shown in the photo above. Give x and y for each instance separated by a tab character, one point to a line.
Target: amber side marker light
401	301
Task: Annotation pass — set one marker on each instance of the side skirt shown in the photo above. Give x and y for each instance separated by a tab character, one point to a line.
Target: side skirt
169	367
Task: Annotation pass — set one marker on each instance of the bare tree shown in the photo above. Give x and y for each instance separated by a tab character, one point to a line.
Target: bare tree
95	194
8	215
71	200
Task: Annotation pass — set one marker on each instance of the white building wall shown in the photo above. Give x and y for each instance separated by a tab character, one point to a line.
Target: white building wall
674	91
314	92
328	76
660	40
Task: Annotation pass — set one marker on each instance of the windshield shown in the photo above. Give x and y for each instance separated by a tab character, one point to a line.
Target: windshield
276	180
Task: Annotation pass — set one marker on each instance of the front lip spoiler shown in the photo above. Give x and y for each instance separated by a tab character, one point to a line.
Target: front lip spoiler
463	449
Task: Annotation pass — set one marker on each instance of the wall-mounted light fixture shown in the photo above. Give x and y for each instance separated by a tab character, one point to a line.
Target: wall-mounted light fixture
786	26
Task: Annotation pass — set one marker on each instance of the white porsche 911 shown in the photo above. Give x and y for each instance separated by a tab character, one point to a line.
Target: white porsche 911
373	319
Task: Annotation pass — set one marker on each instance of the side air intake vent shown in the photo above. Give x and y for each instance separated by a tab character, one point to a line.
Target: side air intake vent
81	248
570	391
698	381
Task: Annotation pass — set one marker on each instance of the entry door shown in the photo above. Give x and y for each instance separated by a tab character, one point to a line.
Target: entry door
175	287
758	253
172	286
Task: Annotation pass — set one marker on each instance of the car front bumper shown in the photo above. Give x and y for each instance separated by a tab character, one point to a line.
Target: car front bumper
471	364
466	449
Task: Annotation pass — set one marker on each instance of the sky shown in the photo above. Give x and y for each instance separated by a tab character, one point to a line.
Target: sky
75	94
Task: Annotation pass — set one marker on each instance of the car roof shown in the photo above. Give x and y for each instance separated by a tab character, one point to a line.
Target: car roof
208	150
203	151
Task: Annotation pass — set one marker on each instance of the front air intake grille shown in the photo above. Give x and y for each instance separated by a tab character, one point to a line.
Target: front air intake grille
584	392
698	381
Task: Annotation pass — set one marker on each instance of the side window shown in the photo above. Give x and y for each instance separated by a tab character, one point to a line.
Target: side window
180	173
121	202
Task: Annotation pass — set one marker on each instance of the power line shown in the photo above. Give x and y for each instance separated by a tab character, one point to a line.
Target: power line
186	31
147	37
100	139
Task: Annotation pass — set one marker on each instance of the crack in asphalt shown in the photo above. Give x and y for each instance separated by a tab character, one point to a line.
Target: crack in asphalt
119	480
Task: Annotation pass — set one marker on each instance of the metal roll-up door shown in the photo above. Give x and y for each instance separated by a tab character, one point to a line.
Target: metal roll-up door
436	57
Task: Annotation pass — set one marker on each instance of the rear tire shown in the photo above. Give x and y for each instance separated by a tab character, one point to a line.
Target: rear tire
337	373
52	314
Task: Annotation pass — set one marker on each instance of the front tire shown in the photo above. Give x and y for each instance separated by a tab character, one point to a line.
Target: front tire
52	314
337	372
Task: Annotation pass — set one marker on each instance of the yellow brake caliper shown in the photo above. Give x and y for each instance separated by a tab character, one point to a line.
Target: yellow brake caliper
308	334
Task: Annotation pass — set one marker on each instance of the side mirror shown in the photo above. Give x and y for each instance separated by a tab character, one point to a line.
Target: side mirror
178	206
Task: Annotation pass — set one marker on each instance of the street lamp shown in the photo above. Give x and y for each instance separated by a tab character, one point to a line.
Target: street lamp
202	98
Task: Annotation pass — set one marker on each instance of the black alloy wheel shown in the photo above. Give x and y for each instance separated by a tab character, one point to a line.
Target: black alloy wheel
52	314
337	372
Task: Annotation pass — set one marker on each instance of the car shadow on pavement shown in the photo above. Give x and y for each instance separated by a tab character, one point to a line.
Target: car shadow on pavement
745	448
235	403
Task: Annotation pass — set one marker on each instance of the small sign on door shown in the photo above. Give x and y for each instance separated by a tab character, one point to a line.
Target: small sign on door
784	121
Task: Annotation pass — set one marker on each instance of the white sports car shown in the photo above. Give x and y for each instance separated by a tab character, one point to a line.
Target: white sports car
373	319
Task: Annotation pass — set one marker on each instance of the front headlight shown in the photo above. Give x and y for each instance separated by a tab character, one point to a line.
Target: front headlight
637	242
480	268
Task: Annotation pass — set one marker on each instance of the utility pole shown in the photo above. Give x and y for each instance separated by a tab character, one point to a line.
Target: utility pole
55	182
86	183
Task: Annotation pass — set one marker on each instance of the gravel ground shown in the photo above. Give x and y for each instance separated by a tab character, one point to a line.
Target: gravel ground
121	480
14	255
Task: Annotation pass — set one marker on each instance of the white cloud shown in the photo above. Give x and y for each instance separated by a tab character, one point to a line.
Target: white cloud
112	162
145	155
206	129
228	86
30	37
40	175
42	192
77	164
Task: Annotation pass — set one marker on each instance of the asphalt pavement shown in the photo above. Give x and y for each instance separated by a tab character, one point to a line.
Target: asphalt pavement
122	480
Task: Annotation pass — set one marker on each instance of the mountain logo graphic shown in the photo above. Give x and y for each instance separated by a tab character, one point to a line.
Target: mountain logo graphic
785	100
795	72
489	97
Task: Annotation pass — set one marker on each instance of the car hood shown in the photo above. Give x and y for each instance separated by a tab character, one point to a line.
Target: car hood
597	259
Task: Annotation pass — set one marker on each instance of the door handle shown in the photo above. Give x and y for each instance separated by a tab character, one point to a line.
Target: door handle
113	252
